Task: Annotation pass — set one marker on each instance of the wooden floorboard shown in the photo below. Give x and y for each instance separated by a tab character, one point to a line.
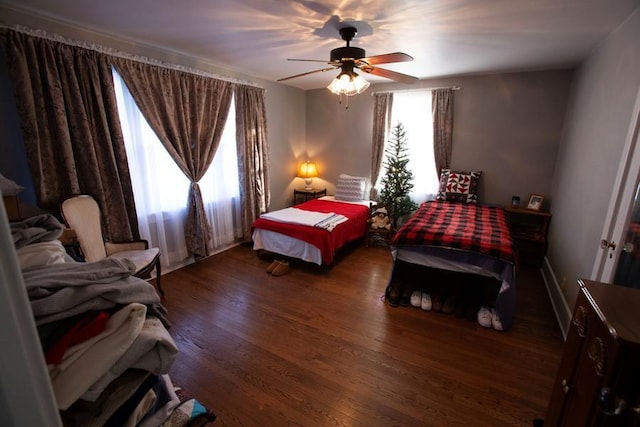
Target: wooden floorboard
320	347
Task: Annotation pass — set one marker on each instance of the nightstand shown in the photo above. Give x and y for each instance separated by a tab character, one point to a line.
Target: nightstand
529	231
308	194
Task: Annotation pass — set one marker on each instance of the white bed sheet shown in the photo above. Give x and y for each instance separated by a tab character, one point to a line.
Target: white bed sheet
285	245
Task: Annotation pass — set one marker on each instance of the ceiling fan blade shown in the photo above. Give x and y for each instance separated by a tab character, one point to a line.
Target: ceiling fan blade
306	74
388	74
310	60
387	58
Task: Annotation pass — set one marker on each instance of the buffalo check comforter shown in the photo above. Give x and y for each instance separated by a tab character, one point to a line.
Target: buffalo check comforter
467	227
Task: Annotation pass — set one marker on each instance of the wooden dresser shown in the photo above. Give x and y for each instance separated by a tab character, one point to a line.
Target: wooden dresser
598	380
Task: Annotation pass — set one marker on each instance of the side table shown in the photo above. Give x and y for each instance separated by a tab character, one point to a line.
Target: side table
312	193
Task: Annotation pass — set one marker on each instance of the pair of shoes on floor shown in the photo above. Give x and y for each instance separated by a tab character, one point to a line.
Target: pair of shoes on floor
416	298
450	304
278	268
425	301
392	294
489	318
421	299
405	296
436	301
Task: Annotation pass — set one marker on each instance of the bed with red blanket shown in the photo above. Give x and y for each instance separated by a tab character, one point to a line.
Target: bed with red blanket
312	243
462	237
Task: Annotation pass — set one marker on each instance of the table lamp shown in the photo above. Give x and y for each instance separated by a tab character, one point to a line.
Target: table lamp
308	171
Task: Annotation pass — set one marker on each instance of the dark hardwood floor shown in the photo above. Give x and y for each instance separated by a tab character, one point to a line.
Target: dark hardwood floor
320	347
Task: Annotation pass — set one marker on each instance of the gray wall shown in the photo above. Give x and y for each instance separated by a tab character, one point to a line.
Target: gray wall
507	125
596	126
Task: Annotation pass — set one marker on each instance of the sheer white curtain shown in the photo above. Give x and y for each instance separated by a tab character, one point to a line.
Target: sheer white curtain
413	109
160	188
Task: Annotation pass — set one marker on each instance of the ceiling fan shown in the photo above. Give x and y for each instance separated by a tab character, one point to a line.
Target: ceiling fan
349	58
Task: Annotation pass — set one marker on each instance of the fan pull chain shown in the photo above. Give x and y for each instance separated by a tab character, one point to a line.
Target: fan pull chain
346	107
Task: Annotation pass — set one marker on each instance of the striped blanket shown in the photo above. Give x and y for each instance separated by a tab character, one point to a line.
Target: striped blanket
324	220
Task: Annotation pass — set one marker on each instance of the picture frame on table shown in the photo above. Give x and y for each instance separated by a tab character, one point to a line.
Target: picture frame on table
535	202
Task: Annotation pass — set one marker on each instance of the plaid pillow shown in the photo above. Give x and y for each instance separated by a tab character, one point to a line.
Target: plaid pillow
350	188
458	186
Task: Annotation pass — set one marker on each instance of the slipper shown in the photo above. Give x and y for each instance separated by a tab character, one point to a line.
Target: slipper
484	317
425	302
416	298
495	320
405	296
449	304
281	269
272	266
392	294
436	303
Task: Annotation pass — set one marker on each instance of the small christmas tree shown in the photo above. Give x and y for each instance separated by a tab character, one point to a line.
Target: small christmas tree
397	181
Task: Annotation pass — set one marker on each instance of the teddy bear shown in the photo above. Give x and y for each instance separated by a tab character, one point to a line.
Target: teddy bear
380	219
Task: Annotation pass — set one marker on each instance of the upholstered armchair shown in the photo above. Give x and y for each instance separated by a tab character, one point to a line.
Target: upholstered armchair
82	214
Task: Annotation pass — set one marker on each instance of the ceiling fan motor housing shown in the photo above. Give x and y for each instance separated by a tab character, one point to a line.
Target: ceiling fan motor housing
347	52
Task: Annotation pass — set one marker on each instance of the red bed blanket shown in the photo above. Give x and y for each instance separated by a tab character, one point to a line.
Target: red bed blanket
469	227
326	241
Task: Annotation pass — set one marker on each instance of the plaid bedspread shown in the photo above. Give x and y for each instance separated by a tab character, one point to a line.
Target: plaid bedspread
467	227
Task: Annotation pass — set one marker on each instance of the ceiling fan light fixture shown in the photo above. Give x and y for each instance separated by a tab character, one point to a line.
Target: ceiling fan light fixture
348	83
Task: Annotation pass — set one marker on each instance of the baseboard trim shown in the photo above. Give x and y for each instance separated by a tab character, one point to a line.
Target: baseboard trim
558	302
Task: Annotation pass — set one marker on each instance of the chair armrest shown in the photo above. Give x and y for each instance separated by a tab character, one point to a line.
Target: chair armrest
134	245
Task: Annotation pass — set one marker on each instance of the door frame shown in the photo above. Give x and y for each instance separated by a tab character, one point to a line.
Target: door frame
621	202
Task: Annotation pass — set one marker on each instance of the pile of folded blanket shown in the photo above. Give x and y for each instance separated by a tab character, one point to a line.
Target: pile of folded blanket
104	334
324	220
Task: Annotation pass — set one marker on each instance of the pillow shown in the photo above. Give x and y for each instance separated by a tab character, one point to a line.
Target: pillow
458	186
350	188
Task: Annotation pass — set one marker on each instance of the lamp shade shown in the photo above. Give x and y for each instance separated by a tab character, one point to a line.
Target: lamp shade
308	170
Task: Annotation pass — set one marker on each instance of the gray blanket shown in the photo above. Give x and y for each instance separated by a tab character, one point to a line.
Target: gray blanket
153	351
40	228
59	291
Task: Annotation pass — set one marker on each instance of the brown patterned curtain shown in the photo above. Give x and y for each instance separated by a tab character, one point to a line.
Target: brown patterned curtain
253	154
381	124
442	115
188	113
71	128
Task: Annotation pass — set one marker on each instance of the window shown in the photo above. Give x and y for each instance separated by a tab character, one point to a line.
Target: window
413	109
161	189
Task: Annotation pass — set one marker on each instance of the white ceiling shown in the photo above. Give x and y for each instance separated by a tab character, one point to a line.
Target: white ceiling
445	37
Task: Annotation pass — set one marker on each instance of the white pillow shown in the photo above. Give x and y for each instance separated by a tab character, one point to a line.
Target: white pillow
350	188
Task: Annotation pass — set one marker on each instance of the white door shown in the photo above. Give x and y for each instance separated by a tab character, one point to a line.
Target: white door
619	260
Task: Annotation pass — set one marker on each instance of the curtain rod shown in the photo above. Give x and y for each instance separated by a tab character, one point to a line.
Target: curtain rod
416	89
125	55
